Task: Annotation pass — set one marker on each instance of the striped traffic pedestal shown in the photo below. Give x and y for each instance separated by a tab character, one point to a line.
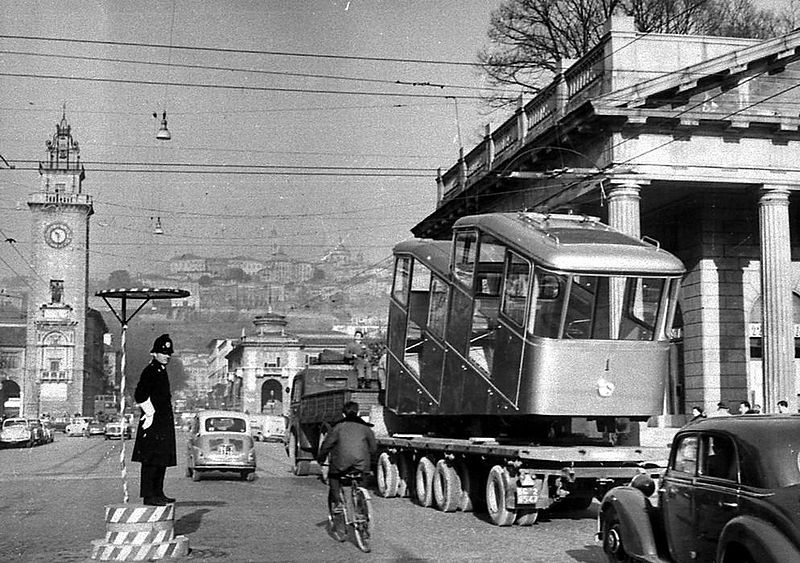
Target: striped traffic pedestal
139	533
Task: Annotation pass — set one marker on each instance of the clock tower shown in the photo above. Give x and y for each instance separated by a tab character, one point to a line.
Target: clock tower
55	375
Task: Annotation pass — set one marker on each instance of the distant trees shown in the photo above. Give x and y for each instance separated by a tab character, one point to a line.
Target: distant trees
528	38
120	279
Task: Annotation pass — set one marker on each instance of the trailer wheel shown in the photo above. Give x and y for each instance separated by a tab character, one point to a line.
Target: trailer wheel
527	516
465	503
497	484
387	476
404	475
424	481
446	487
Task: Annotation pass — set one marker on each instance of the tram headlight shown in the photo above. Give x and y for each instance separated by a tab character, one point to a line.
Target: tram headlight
605	388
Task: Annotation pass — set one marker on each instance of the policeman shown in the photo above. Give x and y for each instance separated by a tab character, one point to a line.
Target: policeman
155	436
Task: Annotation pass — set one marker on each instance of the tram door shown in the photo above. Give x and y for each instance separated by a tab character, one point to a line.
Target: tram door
511	326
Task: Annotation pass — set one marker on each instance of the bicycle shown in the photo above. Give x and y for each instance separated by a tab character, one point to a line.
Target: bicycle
354	511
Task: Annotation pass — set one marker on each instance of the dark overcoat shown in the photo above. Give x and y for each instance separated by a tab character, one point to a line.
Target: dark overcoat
350	444
156	445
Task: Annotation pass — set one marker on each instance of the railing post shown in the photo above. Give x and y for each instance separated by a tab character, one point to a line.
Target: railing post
462	169
522	121
489	147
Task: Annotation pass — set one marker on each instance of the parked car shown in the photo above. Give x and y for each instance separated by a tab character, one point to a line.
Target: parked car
730	493
60	424
116	430
16	432
96	428
220	441
78	426
268	427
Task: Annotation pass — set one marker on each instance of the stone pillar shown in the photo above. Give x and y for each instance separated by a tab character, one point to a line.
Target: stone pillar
623	207
776	313
623	215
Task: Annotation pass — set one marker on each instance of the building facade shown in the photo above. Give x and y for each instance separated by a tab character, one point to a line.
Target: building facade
262	366
691	141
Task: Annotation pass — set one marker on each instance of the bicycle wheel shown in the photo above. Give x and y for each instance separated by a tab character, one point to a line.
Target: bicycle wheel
362	505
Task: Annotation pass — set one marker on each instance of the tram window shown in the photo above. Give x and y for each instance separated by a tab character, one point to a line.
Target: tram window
421	280
465	248
515	294
438	307
580	310
402	275
548	289
413	348
642	300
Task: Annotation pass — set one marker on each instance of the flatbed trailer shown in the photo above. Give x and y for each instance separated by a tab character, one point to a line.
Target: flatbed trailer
512	482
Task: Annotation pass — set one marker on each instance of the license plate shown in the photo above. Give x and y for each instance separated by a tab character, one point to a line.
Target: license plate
226	450
527	495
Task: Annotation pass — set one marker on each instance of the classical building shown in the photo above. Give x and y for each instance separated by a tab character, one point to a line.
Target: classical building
261	366
64	347
692	141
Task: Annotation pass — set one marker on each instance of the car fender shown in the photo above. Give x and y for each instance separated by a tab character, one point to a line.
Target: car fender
634	512
763	541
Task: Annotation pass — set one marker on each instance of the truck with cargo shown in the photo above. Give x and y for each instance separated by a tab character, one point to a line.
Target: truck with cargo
523	357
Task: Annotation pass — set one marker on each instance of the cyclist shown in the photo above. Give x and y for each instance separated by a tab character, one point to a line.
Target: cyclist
349	446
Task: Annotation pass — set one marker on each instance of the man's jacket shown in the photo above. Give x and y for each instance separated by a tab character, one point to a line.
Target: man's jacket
350	443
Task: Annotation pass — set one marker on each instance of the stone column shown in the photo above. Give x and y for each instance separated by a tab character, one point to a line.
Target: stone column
776	313
623	215
623	207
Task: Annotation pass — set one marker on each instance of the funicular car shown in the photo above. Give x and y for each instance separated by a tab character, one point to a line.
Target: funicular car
220	441
730	494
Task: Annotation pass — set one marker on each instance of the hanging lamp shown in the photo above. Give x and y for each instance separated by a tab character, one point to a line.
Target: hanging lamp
163	132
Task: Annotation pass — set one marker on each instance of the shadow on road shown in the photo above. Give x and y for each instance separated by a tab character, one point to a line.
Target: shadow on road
191	522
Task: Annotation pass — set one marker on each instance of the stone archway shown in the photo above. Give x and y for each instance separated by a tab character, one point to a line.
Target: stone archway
272	397
9	393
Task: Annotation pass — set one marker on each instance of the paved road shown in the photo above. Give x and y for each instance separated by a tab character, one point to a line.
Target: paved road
52	500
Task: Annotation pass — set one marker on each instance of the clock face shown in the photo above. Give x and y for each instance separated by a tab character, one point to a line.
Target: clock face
58	235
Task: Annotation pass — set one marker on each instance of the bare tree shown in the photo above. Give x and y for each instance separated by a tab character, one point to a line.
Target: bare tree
528	38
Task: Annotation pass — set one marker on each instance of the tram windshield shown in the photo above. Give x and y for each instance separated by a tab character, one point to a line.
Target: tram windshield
596	307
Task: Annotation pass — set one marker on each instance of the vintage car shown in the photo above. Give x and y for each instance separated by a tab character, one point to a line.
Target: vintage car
730	493
116	430
96	428
78	426
17	432
220	441
268	427
60	424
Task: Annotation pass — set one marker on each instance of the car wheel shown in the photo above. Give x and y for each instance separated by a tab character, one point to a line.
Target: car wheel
612	539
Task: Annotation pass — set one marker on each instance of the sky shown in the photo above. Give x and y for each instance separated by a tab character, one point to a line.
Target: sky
312	146
295	123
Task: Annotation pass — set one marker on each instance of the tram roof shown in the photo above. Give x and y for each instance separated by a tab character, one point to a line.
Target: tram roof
574	243
433	253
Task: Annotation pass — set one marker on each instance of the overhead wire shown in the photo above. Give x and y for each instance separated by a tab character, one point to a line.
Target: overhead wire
237	51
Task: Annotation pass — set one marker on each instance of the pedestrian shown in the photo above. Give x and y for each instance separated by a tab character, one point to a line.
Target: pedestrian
357	352
722	410
697	413
154	447
783	407
745	408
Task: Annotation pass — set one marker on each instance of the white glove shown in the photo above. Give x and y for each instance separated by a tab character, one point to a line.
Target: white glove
149	412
